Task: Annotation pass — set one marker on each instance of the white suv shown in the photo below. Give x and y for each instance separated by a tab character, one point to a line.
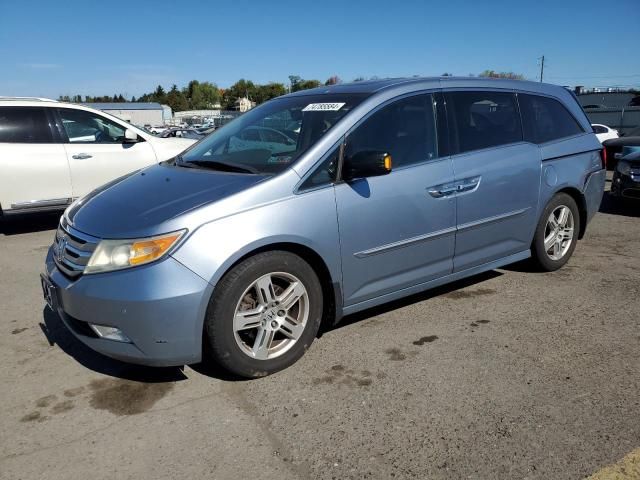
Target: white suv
53	152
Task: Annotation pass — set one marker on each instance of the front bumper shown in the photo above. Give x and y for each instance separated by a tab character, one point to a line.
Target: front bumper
160	307
625	186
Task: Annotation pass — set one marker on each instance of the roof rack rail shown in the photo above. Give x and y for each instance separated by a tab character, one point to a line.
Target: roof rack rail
33	99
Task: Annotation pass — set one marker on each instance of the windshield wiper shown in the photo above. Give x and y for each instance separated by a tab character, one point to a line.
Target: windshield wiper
215	165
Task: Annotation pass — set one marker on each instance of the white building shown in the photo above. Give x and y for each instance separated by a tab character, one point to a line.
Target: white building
243	104
134	112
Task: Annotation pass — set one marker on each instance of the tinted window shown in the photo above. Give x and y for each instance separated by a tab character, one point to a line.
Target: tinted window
87	127
325	173
24	125
482	120
599	129
545	119
405	129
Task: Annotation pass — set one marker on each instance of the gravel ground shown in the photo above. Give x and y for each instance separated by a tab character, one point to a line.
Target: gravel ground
510	374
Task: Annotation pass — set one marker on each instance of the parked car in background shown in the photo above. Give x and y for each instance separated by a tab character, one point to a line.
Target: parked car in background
626	177
157	129
206	130
246	249
191	133
53	152
603	132
262	137
616	148
593	105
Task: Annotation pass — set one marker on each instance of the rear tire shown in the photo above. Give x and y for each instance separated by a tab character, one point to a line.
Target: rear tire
264	314
556	234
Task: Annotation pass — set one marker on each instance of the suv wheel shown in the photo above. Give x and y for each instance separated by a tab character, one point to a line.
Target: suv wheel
264	314
557	233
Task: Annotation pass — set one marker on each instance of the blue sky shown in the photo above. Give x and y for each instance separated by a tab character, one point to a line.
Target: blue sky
49	48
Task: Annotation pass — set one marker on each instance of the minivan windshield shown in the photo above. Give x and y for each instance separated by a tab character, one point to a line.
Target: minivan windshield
271	137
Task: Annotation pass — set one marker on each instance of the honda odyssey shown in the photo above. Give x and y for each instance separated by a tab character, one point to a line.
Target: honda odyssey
238	251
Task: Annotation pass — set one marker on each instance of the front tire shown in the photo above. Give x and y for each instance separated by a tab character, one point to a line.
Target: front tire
557	233
264	314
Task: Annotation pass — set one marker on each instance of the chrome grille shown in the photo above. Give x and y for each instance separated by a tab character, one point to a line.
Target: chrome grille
72	249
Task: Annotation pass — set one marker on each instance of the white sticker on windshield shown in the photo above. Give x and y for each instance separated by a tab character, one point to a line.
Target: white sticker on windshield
323	107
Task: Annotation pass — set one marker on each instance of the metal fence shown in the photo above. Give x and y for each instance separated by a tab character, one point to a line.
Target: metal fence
622	119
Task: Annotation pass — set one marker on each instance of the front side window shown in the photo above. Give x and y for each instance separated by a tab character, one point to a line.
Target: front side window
325	173
24	125
545	119
482	119
87	127
270	138
405	129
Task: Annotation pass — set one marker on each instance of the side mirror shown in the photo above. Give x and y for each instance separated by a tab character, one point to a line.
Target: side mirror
367	163
130	136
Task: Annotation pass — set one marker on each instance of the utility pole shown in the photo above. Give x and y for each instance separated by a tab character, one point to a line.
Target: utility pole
541	67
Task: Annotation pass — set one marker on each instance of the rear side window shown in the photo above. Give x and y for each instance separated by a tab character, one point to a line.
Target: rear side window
24	125
545	119
482	120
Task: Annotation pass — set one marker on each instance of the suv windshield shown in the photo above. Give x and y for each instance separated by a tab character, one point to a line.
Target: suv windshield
271	137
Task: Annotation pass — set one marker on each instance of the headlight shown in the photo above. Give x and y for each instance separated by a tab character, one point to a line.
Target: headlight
623	167
118	254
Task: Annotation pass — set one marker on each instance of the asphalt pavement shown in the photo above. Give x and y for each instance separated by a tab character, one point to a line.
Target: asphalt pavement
507	375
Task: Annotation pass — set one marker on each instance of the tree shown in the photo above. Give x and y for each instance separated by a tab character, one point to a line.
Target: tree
445	74
201	96
298	83
268	91
293	82
494	74
176	99
158	96
242	88
333	80
358	79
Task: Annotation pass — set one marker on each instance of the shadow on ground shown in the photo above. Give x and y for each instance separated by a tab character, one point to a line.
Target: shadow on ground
30	223
57	334
416	298
620	206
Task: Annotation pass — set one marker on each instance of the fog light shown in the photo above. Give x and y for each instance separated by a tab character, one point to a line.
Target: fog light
110	333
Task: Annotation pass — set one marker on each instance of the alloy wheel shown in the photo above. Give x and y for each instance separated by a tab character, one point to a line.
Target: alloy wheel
271	315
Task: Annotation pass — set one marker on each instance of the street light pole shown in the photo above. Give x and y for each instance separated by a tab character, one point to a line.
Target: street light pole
541	67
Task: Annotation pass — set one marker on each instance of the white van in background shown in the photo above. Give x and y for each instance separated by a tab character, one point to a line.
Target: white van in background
53	152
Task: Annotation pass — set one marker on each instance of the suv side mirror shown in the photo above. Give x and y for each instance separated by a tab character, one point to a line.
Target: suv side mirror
130	136
366	163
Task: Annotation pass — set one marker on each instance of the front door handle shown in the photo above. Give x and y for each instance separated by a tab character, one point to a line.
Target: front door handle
439	192
81	156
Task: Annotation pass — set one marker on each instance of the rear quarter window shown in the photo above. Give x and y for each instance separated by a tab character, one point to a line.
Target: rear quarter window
24	125
545	119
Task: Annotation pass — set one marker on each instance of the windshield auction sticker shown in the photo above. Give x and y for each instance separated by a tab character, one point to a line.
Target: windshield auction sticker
323	107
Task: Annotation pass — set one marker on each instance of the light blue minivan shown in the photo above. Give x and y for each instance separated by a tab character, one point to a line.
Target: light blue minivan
319	204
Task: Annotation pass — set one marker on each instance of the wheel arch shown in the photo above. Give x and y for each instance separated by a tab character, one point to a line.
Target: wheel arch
331	291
